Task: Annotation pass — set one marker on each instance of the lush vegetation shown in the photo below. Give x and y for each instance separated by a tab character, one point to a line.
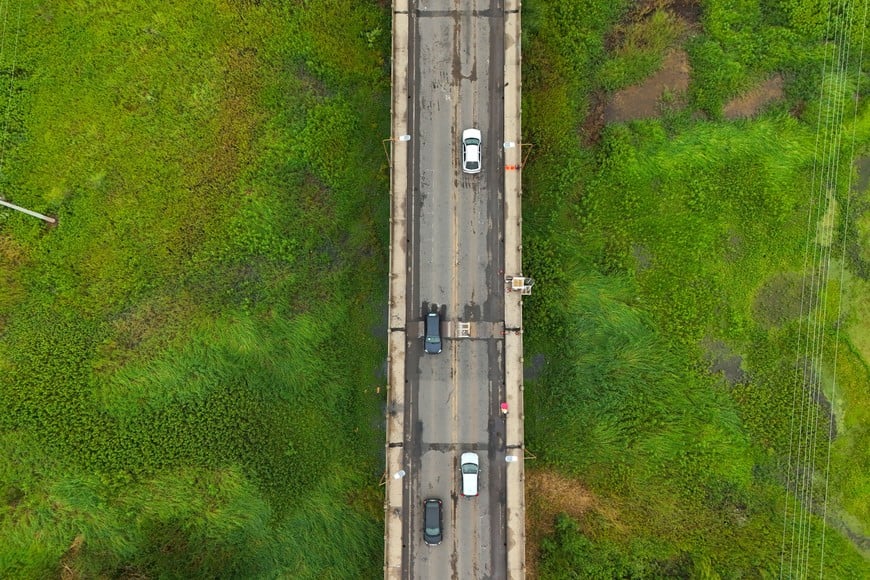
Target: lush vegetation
688	307
188	359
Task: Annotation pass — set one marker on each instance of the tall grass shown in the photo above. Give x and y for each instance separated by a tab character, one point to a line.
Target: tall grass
747	40
187	359
666	250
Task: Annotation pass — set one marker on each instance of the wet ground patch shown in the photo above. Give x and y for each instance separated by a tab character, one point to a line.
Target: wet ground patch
533	371
753	101
724	361
783	298
645	100
652	29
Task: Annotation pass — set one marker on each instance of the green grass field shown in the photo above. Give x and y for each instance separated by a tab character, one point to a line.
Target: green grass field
673	298
188	360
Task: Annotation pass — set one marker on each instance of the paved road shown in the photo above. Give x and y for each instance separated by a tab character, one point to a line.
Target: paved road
456	262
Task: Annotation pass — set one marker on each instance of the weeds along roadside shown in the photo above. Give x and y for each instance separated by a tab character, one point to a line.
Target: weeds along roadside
189	355
652	252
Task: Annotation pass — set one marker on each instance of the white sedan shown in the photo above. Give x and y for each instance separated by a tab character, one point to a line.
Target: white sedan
471	145
470	467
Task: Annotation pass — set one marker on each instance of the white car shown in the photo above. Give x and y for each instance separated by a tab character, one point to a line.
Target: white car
469	465
471	146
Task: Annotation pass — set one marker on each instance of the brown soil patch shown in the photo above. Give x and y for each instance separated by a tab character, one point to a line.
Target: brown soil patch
753	101
688	10
548	494
595	120
643	101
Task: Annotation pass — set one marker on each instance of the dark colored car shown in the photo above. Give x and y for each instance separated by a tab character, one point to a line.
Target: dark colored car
433	333
432	534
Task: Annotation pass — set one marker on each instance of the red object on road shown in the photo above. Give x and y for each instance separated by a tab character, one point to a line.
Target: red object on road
504	408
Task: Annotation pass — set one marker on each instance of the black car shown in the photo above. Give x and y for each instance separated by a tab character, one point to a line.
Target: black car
433	333
432	534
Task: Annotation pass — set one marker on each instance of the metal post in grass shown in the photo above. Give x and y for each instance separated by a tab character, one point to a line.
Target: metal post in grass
400	138
525	148
46	218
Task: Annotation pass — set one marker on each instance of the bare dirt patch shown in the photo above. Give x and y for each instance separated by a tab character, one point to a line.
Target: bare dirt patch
643	101
595	120
750	103
688	10
550	494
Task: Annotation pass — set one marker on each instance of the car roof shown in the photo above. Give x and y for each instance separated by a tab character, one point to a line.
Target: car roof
469	457
433	507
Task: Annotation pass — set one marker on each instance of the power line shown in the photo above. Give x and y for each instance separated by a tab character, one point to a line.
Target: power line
8	107
840	298
811	347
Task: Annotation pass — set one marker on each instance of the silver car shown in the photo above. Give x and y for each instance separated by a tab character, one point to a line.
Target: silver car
471	147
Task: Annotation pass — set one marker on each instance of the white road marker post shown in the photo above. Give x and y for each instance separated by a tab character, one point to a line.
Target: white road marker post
46	218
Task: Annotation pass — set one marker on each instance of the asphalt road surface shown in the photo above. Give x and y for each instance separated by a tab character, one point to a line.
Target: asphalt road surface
456	265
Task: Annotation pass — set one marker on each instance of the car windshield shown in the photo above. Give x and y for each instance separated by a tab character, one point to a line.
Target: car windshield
472	164
472	141
468	468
